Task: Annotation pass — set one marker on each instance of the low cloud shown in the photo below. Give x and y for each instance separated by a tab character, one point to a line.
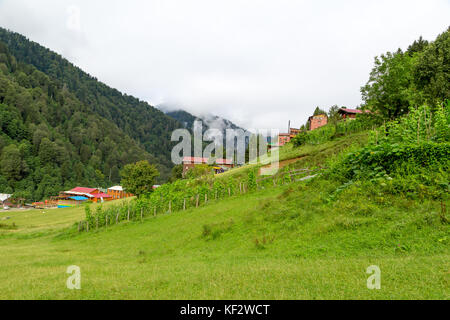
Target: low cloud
258	63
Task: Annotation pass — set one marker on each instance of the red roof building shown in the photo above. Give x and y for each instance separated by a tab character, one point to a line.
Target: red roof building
117	192
191	162
351	113
85	190
92	193
101	195
283	138
316	122
196	160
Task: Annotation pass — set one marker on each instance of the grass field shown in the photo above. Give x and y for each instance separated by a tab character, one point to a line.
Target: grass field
288	242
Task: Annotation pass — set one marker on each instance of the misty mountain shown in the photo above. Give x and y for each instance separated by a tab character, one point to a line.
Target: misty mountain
145	124
209	121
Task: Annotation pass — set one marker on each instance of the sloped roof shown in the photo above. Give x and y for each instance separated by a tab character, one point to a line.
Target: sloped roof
83	190
116	188
205	160
353	111
318	116
79	193
4	196
195	160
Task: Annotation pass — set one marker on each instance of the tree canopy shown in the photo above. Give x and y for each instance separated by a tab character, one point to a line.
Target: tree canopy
139	178
399	80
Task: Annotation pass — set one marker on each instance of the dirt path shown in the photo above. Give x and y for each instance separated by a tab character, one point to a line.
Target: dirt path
283	163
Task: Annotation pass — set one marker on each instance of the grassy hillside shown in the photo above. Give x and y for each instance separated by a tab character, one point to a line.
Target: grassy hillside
29	222
308	156
304	240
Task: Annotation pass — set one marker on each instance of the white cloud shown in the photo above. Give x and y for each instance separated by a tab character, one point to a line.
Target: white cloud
258	63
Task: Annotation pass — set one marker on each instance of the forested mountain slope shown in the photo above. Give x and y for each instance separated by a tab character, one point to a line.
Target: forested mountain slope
60	127
142	122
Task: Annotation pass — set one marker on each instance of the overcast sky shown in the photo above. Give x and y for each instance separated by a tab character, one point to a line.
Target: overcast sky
258	63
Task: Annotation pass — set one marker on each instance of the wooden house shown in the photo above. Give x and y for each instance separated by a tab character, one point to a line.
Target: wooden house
117	192
92	194
283	138
350	113
316	122
191	162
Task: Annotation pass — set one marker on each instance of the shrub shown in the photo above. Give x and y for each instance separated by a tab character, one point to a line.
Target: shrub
251	180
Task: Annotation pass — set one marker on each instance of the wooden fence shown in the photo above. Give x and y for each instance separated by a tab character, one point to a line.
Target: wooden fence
279	179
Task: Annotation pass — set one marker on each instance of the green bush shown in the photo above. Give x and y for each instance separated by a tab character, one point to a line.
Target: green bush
375	160
410	156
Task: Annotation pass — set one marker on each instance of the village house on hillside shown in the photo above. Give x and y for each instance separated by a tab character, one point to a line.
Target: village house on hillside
316	122
117	192
191	162
79	195
350	113
4	199
284	138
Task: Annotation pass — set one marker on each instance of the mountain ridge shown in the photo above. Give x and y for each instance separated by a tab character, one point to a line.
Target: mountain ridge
144	123
210	121
60	127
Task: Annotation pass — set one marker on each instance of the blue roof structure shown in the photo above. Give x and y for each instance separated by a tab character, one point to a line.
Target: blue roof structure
78	198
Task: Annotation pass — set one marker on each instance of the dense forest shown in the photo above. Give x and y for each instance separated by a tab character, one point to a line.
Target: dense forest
146	124
60	127
402	80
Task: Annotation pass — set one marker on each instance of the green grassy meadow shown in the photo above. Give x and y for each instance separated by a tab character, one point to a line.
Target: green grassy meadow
288	242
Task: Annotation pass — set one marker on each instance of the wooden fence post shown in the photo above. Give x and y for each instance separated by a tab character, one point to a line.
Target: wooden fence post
216	196
196	204
142	214
128	217
184	204
87	226
154	211
206	198
106	221
240	187
170	206
229	192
